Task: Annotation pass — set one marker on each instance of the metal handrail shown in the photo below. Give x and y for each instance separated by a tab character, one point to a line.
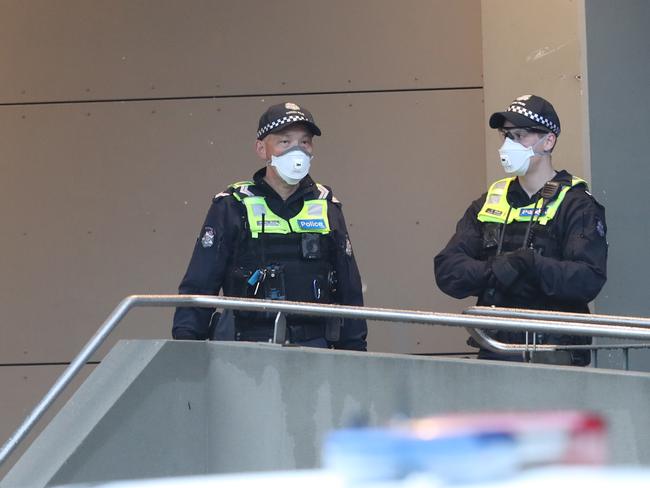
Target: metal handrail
560	316
341	311
488	342
485	341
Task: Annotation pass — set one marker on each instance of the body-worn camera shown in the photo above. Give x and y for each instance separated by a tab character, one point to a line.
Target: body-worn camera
310	245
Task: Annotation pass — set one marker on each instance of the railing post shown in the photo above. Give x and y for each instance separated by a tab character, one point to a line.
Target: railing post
280	329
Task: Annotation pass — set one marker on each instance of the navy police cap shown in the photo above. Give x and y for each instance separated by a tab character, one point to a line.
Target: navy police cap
528	111
279	116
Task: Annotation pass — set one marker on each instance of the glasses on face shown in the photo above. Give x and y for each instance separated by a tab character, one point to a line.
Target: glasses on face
518	133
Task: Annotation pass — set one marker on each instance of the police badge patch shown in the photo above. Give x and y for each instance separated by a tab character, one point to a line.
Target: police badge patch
600	228
208	237
348	246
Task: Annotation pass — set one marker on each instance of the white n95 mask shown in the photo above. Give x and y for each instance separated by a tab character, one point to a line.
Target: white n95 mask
292	165
515	157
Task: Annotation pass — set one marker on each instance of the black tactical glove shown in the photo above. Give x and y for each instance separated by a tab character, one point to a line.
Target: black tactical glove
525	293
508	267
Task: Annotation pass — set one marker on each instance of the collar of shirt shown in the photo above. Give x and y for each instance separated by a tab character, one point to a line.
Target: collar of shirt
306	187
284	208
517	196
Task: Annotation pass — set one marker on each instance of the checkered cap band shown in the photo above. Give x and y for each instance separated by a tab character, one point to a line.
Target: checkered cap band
535	117
287	119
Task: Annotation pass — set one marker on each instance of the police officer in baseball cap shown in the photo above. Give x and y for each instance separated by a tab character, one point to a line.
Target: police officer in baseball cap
536	239
280	235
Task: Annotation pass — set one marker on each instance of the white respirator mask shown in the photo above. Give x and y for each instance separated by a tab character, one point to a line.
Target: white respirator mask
292	165
515	157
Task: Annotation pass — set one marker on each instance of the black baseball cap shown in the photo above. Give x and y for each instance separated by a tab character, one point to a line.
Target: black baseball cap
528	111
279	116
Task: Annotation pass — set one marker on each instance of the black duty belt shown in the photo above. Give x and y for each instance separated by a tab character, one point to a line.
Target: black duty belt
295	333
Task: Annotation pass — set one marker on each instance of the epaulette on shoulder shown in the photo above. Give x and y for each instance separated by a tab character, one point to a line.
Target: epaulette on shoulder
576	184
233	190
241	189
325	193
219	196
241	183
583	184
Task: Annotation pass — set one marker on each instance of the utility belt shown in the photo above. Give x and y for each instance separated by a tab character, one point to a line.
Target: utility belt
315	284
295	333
282	282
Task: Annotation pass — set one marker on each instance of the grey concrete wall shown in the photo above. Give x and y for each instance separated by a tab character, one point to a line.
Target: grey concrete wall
618	43
23	386
156	408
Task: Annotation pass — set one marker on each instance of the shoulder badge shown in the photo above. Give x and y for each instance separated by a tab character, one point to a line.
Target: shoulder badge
207	240
348	246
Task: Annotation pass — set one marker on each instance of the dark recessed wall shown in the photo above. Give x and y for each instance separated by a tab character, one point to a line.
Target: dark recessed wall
619	119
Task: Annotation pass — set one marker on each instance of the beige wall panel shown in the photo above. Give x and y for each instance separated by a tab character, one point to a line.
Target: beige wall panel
403	193
22	388
101	201
538	49
104	200
95	49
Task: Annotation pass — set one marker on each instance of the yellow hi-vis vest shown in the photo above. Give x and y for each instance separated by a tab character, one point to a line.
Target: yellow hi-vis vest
312	217
496	207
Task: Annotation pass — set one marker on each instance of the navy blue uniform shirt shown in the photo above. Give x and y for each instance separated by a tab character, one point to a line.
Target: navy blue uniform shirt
208	266
575	276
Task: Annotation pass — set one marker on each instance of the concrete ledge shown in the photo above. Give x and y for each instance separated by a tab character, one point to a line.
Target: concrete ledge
163	408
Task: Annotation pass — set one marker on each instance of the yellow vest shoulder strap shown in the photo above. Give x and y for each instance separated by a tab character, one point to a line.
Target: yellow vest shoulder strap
240	190
497	209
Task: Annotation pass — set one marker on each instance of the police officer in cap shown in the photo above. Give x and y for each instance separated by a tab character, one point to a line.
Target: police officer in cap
279	236
535	240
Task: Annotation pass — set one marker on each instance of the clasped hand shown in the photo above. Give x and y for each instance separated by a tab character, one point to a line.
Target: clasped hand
511	267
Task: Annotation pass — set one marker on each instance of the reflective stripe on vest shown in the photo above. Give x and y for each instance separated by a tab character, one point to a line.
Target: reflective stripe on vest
496	207
311	218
